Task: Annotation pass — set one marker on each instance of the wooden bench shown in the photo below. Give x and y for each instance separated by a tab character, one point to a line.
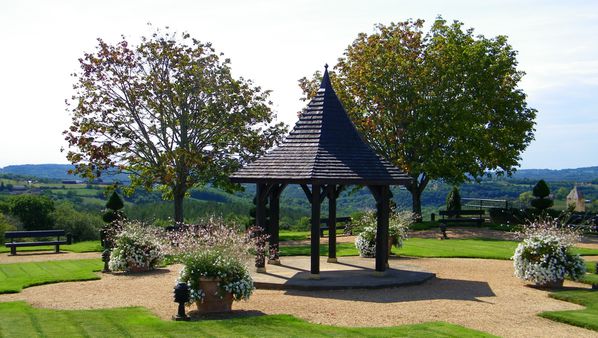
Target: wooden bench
13	235
338	227
457	216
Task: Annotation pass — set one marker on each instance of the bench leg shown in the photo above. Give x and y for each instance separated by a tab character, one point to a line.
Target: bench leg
57	248
13	250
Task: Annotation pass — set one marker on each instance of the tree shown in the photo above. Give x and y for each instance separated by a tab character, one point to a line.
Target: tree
444	105
453	200
169	113
541	191
526	198
34	212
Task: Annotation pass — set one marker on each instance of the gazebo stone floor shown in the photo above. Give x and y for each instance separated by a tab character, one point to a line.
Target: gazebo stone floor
347	273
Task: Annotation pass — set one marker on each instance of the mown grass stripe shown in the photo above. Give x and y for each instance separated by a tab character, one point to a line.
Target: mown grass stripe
16	276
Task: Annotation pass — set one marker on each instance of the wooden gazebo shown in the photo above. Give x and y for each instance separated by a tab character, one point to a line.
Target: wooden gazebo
325	151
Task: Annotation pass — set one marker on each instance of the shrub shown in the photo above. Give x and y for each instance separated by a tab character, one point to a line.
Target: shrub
453	200
137	247
544	255
397	231
541	192
214	250
113	208
35	212
6	224
81	225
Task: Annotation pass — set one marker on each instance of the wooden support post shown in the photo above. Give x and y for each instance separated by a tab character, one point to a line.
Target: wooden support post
331	192
383	213
315	231
273	257
260	220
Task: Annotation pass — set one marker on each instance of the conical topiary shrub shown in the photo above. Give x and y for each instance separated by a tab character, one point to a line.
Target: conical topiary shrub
541	191
112	215
113	206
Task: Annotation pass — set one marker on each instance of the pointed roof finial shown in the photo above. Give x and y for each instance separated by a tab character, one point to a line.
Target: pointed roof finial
325	78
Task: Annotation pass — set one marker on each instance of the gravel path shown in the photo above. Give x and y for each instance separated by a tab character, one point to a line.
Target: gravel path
479	294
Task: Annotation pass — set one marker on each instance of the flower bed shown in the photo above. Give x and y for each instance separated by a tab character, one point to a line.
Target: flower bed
544	256
136	248
397	232
214	251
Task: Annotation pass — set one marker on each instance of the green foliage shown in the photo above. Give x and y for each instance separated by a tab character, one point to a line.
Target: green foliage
561	193
139	322
4	207
169	112
14	277
541	189
541	192
453	127
526	198
34	212
453	200
587	318
6	224
115	202
542	203
110	216
82	226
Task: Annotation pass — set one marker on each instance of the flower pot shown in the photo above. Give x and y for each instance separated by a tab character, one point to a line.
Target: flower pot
213	300
554	284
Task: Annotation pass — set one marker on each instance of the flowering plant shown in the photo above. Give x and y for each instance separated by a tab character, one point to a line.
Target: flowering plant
215	251
137	247
398	225
544	256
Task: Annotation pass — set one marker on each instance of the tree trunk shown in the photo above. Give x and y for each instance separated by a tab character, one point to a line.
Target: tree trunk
416	189
179	196
416	204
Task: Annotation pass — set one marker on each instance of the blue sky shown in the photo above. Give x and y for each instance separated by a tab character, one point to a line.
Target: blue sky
277	42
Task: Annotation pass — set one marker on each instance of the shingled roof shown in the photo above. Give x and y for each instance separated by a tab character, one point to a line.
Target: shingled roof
324	147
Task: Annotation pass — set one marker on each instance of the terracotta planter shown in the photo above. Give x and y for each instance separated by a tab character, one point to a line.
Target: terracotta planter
212	301
557	284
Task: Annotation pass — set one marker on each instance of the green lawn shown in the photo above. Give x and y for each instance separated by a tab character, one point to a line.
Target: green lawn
591	277
18	319
430	247
587	317
85	246
16	276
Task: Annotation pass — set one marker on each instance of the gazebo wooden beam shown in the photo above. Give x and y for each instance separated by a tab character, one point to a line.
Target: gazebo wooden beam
260	216
274	226
382	196
332	195
315	232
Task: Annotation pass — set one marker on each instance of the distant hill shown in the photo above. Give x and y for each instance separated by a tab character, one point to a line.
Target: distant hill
587	174
60	171
53	171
